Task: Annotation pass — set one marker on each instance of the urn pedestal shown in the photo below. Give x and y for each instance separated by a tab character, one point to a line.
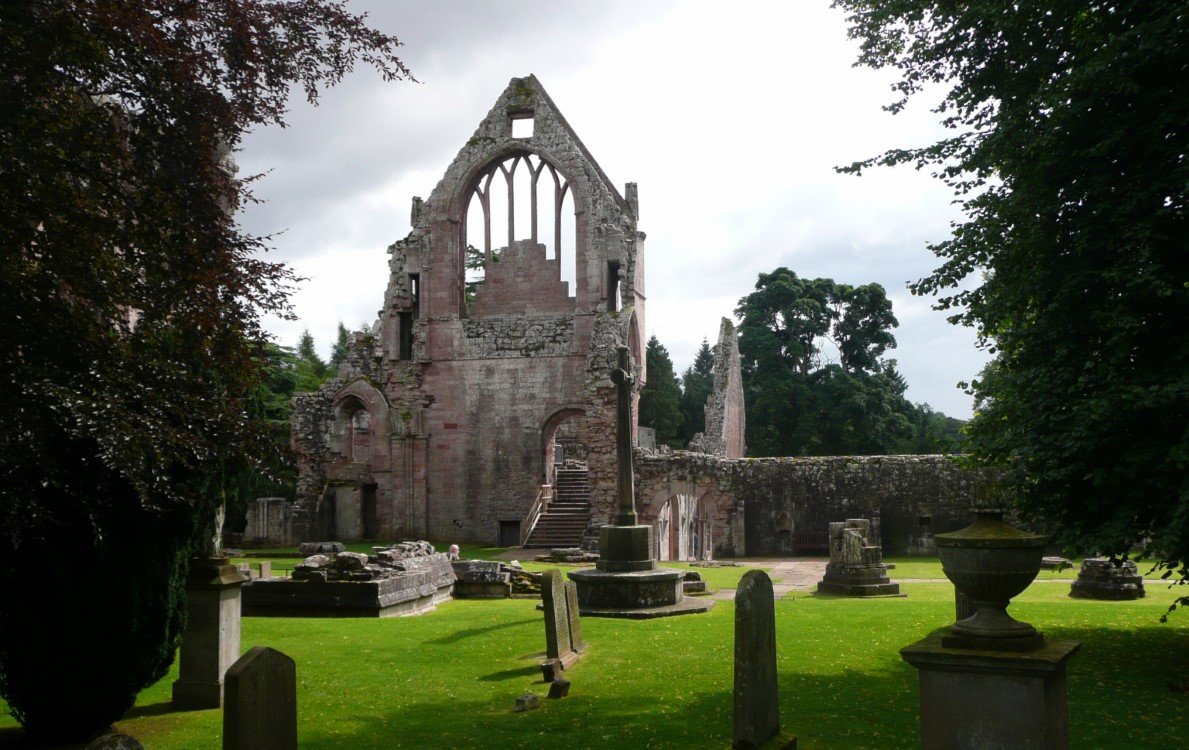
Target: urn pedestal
210	642
991	681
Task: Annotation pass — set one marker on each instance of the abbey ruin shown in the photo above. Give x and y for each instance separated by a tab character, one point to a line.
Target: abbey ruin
479	407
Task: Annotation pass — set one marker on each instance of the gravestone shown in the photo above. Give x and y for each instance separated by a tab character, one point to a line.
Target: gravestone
757	706
1099	578
562	648
572	616
557	620
856	567
260	712
527	702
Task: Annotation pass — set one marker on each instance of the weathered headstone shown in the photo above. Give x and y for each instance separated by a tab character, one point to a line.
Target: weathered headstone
557	625
573	617
757	706
260	712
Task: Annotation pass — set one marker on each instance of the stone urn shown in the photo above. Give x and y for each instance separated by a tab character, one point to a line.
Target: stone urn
991	562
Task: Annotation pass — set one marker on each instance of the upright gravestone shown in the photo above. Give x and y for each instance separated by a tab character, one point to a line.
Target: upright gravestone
557	622
757	707
577	642
260	712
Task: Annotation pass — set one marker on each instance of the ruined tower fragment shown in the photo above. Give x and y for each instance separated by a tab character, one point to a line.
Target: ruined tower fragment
725	418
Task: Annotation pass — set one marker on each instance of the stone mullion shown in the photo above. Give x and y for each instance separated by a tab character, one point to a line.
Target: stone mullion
536	180
508	174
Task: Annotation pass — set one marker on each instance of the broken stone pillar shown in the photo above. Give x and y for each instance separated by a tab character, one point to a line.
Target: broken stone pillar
856	567
210	643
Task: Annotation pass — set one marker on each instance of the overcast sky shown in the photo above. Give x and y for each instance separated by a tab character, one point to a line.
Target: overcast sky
730	122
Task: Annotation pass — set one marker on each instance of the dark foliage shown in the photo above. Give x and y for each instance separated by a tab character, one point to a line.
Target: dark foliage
131	345
1070	158
697	383
660	397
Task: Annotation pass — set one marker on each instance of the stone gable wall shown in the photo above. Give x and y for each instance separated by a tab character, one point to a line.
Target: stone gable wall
467	395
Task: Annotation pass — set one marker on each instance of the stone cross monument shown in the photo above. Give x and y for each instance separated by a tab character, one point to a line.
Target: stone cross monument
626	581
623	379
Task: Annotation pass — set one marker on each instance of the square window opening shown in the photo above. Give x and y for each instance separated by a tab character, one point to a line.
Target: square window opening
522	127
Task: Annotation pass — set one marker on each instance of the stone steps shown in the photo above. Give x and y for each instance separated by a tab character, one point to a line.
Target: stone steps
564	521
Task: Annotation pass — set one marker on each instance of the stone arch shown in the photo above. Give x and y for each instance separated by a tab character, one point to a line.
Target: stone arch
361	424
549	447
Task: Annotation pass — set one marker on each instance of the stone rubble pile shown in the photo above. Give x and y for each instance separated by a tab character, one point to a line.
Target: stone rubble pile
569	555
388	562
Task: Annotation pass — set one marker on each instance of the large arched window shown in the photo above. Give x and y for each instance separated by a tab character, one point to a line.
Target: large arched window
522	197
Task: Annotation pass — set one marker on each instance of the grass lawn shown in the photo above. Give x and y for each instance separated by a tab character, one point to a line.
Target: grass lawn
450	678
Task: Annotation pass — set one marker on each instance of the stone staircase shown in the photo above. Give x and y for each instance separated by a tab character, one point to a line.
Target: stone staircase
564	521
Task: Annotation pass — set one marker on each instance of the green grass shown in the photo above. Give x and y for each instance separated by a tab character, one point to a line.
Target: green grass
450	678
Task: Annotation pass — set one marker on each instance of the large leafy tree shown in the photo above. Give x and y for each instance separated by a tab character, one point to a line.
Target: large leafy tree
660	398
799	400
1070	158
131	344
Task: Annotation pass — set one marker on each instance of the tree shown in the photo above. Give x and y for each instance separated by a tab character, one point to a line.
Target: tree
798	401
697	383
338	352
660	397
310	370
1070	160
132	306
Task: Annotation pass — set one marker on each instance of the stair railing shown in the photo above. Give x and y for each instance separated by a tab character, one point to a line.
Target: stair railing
544	495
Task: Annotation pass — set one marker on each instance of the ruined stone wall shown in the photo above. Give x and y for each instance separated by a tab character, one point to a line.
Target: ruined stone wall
756	506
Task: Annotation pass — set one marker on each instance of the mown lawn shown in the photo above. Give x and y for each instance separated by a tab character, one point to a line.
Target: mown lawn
450	678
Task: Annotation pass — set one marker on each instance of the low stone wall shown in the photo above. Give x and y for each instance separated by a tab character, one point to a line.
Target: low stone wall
755	506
